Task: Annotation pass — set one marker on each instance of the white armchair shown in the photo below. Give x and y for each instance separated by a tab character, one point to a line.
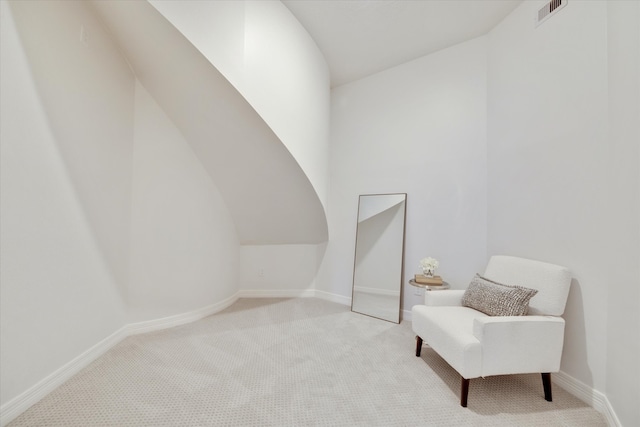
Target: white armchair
477	345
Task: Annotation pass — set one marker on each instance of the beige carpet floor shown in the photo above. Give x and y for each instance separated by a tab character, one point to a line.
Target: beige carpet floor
292	362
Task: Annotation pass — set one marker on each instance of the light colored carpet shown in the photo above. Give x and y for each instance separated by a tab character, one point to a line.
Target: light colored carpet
292	362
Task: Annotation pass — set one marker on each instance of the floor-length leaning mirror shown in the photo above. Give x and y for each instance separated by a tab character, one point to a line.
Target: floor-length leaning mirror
379	255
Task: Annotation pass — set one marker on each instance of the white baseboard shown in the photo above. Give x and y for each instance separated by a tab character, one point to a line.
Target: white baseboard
588	395
276	293
376	291
16	406
179	319
10	410
333	297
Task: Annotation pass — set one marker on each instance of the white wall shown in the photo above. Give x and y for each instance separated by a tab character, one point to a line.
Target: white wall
87	92
287	82
269	57
94	175
558	184
184	247
419	129
279	270
623	308
216	29
271	199
62	286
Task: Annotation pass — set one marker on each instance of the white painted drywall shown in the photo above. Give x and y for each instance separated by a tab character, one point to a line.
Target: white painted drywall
59	278
419	129
623	221
69	162
287	82
86	89
216	29
269	196
269	57
184	247
550	170
278	270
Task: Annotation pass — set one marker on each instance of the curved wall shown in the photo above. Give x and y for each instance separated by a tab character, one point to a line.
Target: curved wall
132	173
270	58
184	247
65	141
269	196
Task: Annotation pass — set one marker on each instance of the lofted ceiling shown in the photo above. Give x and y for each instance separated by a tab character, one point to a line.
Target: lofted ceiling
362	37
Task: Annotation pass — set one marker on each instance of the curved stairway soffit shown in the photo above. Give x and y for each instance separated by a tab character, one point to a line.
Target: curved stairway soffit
268	195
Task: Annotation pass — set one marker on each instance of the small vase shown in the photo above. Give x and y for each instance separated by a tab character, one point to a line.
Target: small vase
428	272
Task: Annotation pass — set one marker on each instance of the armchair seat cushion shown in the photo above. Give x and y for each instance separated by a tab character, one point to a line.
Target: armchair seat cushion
449	331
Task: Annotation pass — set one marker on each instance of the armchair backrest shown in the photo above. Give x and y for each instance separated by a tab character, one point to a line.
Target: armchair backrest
551	281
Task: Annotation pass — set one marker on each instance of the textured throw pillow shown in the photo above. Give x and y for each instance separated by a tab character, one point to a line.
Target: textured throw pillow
497	299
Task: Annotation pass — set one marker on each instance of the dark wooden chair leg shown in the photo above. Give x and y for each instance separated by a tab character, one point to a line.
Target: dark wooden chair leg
546	383
464	392
418	346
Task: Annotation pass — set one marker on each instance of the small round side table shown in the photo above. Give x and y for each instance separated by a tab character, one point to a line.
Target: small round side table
427	287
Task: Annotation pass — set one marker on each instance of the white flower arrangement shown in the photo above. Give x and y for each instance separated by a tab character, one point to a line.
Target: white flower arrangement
429	266
429	263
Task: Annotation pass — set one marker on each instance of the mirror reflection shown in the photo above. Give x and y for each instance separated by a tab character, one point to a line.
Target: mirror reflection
377	273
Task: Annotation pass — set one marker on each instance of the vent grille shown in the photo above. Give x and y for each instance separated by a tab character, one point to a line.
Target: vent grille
549	9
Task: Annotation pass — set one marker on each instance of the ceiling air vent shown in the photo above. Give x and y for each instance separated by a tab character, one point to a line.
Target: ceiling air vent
549	9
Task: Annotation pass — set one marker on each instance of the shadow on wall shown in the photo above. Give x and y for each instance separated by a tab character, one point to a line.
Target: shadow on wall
575	337
86	89
270	198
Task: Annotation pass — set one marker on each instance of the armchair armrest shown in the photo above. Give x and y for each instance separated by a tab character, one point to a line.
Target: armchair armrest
446	297
519	344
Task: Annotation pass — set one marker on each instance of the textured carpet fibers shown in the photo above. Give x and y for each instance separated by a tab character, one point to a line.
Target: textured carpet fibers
292	362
